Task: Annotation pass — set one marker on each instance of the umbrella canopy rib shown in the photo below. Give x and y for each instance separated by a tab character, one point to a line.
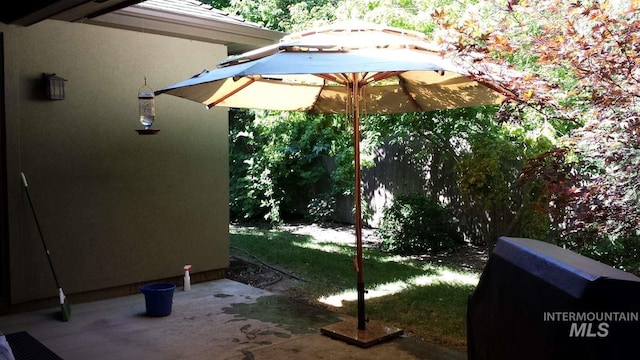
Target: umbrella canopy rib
336	78
230	94
405	89
380	76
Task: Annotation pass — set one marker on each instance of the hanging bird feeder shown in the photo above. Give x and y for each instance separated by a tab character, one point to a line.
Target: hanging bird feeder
147	109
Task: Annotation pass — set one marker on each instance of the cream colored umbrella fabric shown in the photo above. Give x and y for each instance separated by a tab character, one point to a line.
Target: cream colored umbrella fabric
397	71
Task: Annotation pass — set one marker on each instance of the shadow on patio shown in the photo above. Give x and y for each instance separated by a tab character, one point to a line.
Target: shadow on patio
220	319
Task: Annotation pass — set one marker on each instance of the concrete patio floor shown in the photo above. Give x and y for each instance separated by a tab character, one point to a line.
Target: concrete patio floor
220	319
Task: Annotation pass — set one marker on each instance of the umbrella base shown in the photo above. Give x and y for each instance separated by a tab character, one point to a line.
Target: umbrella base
374	333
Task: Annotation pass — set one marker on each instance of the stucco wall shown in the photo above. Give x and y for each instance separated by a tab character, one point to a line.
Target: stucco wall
115	208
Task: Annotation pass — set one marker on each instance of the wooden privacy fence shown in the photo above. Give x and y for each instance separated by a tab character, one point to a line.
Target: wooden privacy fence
395	172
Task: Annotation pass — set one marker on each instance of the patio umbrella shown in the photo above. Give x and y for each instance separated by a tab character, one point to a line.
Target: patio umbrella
350	68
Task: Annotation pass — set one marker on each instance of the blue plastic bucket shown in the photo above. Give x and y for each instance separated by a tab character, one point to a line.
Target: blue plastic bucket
158	298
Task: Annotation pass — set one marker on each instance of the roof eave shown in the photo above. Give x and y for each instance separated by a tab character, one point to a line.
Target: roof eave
238	37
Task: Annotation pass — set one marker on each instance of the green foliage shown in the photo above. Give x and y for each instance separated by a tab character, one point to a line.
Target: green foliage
486	153
217	4
622	253
489	168
418	224
321	208
282	15
343	175
293	15
578	57
278	163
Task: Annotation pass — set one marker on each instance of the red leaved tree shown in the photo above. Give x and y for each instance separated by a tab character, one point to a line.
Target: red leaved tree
584	57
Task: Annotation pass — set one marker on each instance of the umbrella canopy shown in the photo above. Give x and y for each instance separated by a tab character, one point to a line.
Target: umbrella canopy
397	70
348	68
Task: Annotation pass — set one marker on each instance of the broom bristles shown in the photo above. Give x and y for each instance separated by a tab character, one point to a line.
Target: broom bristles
64	306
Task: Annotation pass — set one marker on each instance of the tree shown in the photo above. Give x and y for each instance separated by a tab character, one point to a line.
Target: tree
277	162
586	56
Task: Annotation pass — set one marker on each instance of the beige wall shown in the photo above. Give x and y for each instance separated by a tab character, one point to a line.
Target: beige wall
115	208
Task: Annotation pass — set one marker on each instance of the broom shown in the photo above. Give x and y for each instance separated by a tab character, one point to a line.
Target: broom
64	306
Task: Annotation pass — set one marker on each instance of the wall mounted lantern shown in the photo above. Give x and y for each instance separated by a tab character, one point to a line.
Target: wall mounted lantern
146	109
53	86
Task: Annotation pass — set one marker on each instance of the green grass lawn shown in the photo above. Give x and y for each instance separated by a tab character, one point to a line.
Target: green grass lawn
426	300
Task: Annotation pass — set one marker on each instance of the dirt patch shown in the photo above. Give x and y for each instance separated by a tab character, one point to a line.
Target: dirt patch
250	273
262	276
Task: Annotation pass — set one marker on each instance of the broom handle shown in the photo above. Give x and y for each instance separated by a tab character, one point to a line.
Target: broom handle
35	217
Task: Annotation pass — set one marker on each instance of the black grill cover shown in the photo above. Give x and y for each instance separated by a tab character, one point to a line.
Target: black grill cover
538	301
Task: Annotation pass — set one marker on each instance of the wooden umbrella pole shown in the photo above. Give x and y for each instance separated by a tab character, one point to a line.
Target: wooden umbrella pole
358	215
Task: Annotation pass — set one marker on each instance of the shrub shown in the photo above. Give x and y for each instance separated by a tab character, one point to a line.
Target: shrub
416	224
321	208
622	253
